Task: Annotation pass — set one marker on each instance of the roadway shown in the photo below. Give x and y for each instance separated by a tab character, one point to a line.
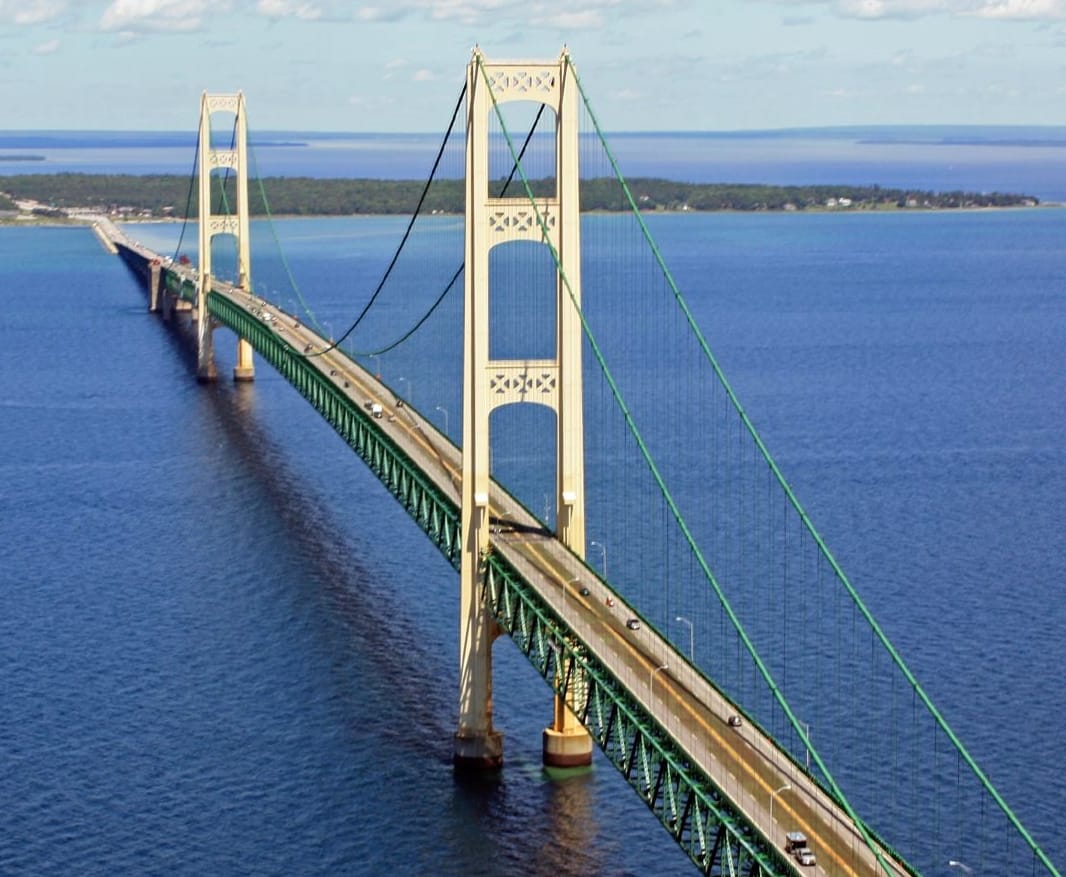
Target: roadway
745	763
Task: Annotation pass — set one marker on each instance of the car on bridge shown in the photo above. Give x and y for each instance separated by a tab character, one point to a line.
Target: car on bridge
633	624
796	843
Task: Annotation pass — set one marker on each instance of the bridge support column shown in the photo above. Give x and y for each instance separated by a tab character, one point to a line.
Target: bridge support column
206	371
211	224
566	743
244	370
491	383
155	280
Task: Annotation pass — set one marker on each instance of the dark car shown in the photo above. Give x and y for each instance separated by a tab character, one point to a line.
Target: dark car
633	624
734	721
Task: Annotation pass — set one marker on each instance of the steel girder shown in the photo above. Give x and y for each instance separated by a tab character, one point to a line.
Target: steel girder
698	815
434	512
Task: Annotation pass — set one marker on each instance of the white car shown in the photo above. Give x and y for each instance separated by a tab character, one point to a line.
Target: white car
805	857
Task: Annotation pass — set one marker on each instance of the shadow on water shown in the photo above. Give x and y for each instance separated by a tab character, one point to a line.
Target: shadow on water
499	820
355	594
563	809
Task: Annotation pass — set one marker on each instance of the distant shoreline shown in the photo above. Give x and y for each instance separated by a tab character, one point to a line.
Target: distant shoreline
127	196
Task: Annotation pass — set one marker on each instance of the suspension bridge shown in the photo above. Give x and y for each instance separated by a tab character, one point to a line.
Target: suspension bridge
725	629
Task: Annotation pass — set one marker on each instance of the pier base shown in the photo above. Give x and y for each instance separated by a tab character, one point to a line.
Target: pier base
570	748
154	282
475	752
244	370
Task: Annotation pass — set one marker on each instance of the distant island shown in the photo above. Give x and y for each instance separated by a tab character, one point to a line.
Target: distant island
171	196
21	158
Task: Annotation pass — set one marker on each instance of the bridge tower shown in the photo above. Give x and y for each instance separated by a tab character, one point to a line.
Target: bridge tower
233	159
491	383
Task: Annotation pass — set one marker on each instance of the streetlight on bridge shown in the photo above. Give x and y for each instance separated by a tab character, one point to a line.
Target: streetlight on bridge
651	679
410	389
329	326
773	795
691	637
603	552
443	411
966	869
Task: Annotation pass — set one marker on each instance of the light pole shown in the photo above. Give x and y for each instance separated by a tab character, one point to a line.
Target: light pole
568	584
443	411
807	743
410	389
651	679
691	637
329	326
961	866
773	795
603	552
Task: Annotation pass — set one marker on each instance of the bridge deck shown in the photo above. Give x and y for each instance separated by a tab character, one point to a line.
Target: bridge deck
744	762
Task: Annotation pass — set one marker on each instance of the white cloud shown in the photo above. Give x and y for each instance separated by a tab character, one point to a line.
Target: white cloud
289	9
911	9
423	75
31	11
1021	9
573	20
157	15
47	48
551	14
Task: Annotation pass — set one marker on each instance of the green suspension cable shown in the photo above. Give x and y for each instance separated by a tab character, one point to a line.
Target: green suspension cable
663	489
277	243
879	633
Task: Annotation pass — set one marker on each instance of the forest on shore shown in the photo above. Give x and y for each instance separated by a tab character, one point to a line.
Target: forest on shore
172	196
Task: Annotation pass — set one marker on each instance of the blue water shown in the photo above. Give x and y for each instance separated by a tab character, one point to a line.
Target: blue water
1021	160
224	649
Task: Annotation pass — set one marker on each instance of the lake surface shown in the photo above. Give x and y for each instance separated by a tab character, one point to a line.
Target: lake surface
1022	160
224	649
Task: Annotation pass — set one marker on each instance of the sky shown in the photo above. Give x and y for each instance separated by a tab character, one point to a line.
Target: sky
646	65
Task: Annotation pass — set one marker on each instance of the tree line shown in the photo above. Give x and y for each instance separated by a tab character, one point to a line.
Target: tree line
176	196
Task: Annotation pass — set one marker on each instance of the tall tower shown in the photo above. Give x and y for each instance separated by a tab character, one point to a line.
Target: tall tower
234	159
487	384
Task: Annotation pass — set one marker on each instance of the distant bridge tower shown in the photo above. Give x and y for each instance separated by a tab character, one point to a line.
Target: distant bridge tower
488	384
232	159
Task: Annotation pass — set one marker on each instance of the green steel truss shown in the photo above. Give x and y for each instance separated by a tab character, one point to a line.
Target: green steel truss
698	815
434	512
182	287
